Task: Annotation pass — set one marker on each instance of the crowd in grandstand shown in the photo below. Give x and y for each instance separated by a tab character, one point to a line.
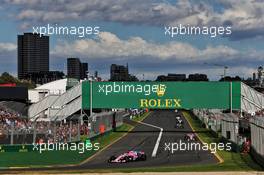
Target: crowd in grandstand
46	131
260	113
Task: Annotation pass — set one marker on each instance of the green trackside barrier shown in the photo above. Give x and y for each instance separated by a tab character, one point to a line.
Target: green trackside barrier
16	148
29	147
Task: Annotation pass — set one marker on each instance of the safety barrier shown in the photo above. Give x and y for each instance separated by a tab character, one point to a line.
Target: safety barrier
257	139
16	148
225	123
103	122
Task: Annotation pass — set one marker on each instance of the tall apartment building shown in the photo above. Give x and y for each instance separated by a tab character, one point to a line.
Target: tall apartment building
121	73
76	69
33	54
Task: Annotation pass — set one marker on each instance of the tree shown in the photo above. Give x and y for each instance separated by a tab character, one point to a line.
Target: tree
7	78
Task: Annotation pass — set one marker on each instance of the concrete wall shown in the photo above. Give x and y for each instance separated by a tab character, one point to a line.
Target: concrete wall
230	127
257	138
228	124
211	118
106	119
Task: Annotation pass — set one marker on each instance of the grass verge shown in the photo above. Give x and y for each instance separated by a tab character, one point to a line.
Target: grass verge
141	117
35	159
232	161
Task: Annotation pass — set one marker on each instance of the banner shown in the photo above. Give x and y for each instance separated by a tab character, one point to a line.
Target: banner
162	95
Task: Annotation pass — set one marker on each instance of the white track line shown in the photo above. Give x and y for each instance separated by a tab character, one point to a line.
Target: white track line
154	152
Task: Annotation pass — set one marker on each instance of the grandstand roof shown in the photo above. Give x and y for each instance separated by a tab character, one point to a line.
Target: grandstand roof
54	85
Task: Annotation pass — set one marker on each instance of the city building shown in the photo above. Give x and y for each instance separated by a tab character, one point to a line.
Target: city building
76	69
84	71
44	77
176	77
172	77
230	78
121	73
198	77
182	77
33	54
260	76
257	81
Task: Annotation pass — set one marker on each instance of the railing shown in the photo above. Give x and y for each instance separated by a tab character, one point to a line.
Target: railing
54	102
36	108
67	110
68	96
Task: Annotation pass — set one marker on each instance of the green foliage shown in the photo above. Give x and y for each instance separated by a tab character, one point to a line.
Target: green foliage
7	78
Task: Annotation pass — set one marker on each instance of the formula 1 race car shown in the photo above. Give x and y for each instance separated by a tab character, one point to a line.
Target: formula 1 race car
179	123
190	137
129	156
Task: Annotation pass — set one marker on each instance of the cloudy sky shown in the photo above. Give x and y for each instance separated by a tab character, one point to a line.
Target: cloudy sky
132	31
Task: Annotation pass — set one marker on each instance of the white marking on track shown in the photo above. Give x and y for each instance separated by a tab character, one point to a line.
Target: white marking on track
154	152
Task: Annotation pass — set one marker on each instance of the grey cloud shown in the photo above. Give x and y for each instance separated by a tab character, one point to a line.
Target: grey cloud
7	47
243	15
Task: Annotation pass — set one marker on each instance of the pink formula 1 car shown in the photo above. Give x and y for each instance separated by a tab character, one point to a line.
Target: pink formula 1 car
190	137
129	156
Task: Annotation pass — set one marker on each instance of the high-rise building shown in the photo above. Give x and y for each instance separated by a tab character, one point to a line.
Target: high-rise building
120	73
96	74
76	69
261	76
33	54
44	77
84	69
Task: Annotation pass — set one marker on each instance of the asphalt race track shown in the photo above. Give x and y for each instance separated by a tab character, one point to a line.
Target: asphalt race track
144	137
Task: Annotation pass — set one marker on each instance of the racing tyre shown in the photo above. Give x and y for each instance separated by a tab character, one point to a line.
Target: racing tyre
111	159
127	159
144	157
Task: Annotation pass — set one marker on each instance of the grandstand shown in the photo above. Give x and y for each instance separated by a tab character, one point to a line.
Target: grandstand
53	114
14	106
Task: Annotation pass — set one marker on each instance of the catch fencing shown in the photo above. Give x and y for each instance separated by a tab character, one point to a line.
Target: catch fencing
60	131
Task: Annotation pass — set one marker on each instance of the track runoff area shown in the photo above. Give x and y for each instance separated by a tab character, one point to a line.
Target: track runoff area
161	140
